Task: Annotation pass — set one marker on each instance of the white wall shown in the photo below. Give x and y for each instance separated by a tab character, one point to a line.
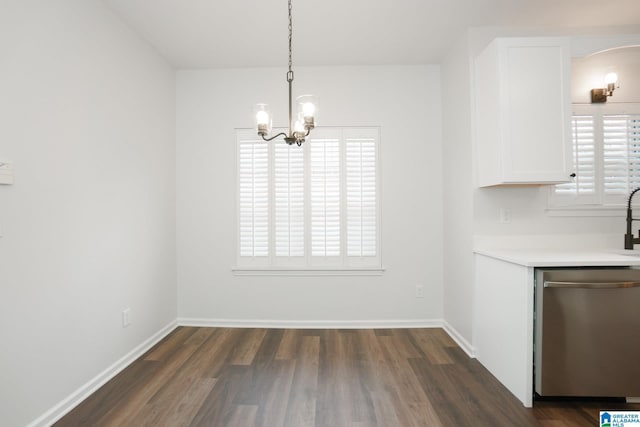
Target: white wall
88	120
404	101
458	188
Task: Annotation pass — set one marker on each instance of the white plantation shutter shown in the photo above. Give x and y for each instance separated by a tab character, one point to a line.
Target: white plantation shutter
325	195
253	177
583	134
621	142
361	185
289	200
606	141
312	207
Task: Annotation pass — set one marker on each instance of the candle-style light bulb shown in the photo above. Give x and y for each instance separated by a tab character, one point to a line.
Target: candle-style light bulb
308	109
611	78
263	119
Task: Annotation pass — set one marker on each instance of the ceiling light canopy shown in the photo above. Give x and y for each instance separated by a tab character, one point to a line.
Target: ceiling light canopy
306	110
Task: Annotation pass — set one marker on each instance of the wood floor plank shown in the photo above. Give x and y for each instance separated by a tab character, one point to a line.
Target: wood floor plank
430	346
182	413
317	378
112	395
443	393
169	344
263	370
212	350
441	336
379	379
404	345
330	386
218	407
288	345
354	368
301	407
127	412
408	390
384	409
273	403
200	336
245	350
179	410
243	416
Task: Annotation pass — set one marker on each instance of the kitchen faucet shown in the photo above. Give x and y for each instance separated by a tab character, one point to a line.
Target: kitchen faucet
629	240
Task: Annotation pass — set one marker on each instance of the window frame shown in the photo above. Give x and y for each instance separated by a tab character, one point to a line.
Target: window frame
308	264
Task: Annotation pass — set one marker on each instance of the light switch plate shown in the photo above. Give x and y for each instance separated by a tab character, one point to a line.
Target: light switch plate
6	173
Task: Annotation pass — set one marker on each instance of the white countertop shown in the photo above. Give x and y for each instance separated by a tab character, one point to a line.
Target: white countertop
565	258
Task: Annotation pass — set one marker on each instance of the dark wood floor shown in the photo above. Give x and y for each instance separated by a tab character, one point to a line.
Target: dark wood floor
276	377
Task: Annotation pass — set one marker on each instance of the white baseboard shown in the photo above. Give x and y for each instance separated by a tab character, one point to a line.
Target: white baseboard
75	398
332	324
310	324
459	339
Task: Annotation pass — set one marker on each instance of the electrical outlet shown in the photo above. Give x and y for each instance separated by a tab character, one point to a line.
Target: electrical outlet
126	317
505	216
6	172
419	291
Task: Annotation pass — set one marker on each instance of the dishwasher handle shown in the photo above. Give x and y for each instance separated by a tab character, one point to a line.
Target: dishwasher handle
591	285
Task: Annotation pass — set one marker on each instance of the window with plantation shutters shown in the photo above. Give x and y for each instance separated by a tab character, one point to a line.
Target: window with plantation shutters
606	150
312	207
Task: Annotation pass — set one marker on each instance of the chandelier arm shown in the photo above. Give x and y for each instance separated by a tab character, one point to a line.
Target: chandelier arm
274	137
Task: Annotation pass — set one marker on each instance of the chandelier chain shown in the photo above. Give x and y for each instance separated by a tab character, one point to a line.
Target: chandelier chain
290	37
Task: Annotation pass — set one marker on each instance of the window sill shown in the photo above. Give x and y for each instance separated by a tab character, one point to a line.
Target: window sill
247	271
587	211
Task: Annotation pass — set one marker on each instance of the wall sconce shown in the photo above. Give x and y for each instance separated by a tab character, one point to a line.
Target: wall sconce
600	95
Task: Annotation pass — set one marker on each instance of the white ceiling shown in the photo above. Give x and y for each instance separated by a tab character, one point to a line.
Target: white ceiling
253	33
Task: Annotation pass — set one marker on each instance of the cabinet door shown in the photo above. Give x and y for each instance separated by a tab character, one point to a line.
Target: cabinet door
536	131
523	112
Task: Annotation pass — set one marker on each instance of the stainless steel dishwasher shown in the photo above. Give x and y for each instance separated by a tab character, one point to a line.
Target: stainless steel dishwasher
587	332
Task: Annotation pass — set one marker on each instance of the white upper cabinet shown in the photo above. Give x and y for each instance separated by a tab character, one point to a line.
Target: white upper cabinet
523	112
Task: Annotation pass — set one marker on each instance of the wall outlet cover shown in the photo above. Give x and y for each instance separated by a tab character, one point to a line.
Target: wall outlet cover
6	173
126	317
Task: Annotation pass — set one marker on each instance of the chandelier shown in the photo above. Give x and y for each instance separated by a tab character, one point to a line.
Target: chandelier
306	113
